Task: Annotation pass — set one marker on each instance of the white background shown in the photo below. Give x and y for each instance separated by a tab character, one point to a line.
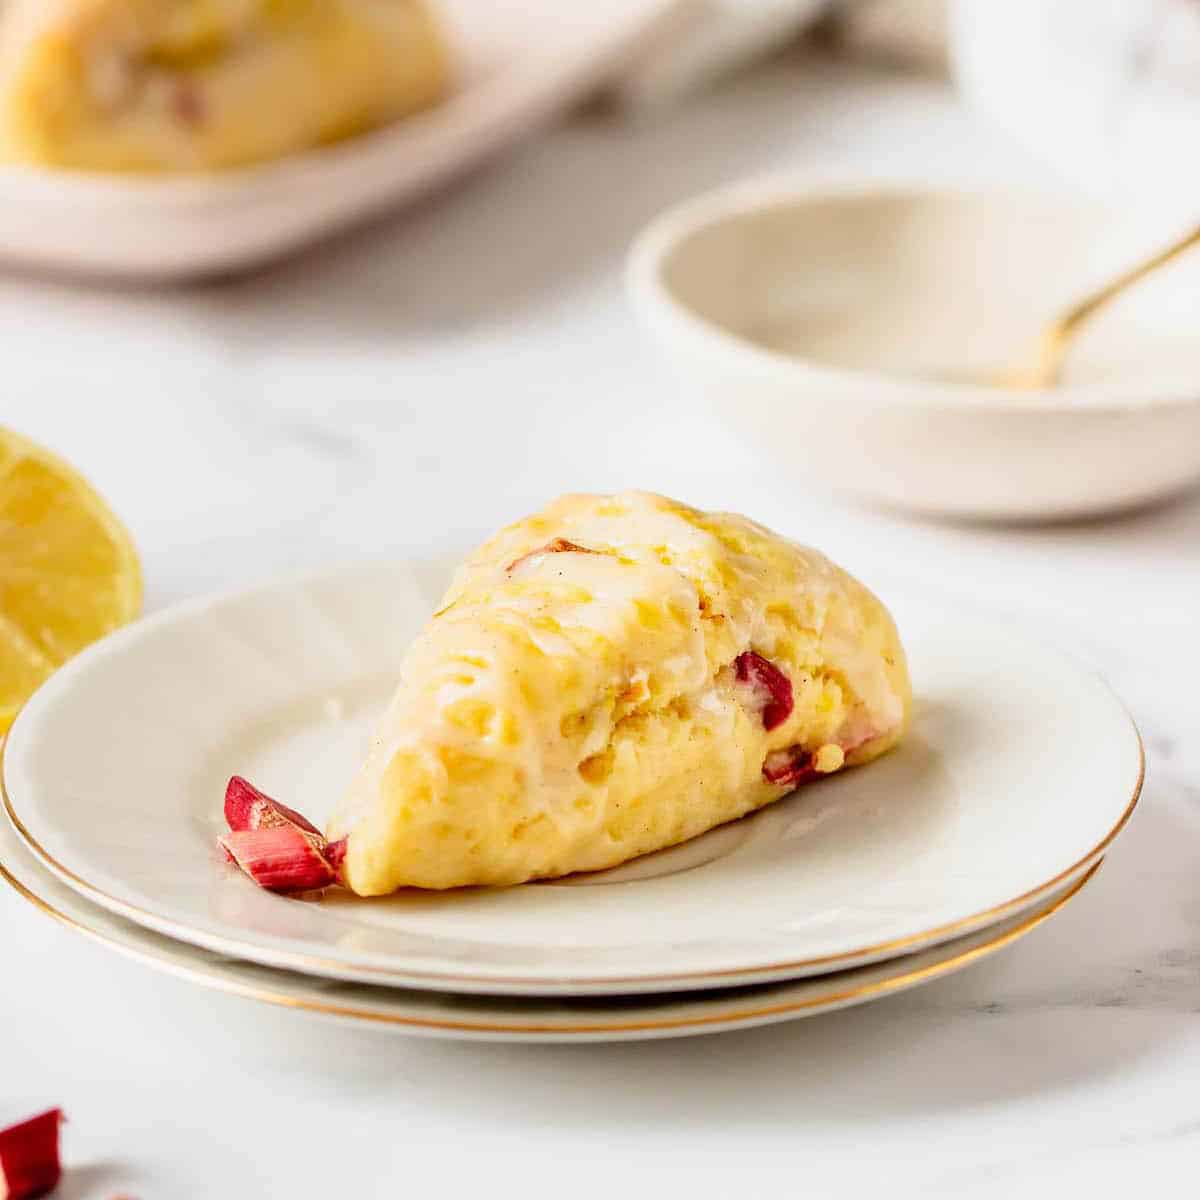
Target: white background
409	387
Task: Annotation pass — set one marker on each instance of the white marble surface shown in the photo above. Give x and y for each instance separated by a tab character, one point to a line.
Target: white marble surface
407	387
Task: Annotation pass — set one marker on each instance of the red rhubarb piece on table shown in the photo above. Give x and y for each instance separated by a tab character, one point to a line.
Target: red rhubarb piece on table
29	1160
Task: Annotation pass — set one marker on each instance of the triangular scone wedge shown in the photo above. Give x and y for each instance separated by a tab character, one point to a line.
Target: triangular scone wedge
186	85
610	677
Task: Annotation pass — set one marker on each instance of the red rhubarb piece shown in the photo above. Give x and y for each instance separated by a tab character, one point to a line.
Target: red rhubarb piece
791	766
557	546
769	689
247	808
281	858
335	853
29	1162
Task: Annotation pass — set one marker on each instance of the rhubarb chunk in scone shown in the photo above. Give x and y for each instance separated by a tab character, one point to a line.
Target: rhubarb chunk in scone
609	677
193	85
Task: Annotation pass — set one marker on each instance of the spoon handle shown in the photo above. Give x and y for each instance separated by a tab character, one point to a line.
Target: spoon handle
1057	338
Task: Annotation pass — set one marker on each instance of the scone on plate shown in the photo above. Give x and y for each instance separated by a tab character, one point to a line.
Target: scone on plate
609	677
185	85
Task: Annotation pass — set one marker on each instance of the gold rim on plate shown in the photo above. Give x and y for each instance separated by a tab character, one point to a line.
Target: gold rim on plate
842	998
328	968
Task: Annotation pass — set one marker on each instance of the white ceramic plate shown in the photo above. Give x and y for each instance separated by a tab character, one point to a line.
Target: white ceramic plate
1019	772
517	62
442	1014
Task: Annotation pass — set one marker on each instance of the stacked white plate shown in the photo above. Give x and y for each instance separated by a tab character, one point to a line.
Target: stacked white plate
1020	771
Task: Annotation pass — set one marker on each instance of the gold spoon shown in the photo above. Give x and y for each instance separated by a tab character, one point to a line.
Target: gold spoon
1056	338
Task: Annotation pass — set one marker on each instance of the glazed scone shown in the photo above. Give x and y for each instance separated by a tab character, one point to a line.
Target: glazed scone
187	85
610	677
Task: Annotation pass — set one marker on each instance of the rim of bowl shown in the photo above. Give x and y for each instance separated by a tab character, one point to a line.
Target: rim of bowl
670	317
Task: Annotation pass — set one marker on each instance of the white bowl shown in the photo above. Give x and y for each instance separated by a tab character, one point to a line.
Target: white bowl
835	324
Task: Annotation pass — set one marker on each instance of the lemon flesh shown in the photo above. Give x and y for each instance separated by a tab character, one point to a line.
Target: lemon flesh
68	571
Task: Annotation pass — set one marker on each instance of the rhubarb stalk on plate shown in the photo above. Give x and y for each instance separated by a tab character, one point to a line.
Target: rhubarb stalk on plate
281	850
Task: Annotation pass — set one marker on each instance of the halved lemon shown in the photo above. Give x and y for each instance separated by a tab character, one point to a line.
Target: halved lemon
69	572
